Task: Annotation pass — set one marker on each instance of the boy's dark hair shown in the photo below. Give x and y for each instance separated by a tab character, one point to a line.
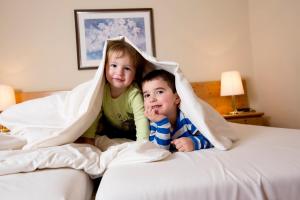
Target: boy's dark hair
121	47
163	74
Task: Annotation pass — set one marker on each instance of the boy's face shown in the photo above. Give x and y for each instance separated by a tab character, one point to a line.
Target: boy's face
159	97
119	70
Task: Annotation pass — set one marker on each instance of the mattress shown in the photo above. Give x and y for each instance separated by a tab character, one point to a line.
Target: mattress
48	184
264	163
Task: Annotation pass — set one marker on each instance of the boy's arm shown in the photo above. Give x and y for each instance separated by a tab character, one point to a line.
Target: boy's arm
200	142
160	133
192	139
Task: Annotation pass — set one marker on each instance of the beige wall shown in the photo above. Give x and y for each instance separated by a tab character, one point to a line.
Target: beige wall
38	47
275	35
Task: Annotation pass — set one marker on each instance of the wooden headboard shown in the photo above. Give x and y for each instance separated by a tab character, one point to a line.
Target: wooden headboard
25	96
208	91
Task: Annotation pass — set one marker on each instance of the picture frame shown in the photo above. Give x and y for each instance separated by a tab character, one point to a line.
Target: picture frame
95	26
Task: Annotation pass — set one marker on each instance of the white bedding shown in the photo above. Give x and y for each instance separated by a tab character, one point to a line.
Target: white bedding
263	164
41	129
50	184
62	118
79	156
60	183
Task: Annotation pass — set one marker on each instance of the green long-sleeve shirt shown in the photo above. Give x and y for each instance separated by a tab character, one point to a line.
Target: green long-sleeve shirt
122	111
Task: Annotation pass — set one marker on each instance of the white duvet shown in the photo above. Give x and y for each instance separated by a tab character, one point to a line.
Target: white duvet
40	126
62	118
79	156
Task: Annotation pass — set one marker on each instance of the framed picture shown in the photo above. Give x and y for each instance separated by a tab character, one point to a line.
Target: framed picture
94	27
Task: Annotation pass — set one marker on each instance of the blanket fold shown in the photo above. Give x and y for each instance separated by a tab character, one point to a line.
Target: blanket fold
79	156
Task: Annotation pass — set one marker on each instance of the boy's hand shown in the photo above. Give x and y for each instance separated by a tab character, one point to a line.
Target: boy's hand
183	144
153	115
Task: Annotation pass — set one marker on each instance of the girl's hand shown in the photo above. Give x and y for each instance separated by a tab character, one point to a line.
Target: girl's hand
183	144
153	115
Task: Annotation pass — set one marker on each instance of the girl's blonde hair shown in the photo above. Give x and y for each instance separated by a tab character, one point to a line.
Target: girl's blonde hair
120	47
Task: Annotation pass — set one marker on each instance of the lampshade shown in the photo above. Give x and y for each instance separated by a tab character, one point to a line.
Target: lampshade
7	97
231	83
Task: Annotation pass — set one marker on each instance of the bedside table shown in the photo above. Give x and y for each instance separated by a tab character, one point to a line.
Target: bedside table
253	118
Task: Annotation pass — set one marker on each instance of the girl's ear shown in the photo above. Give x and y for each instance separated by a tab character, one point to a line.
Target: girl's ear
177	99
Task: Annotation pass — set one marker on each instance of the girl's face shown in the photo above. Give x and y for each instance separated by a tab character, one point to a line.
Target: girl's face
119	71
158	96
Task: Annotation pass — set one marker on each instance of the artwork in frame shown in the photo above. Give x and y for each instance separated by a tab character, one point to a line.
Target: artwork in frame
94	27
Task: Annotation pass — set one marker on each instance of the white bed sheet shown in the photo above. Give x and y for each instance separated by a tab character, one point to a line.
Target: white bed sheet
263	164
48	184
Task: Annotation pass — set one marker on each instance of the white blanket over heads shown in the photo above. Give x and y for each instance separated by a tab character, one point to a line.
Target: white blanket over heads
62	118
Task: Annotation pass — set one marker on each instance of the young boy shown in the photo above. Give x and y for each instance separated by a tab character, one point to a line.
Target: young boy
168	125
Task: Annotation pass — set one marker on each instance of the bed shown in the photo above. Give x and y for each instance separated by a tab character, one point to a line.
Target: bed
264	163
47	184
51	184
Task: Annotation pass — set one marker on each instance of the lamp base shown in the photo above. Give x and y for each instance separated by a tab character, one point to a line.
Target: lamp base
233	104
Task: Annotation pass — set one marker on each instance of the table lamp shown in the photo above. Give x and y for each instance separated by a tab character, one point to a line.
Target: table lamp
231	85
7	98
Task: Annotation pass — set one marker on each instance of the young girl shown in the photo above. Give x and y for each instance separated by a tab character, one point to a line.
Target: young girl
122	114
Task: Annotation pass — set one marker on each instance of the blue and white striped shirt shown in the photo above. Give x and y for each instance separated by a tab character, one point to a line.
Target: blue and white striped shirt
162	135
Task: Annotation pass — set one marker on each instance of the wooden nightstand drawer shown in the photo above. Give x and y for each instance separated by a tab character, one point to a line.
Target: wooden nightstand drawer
253	118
